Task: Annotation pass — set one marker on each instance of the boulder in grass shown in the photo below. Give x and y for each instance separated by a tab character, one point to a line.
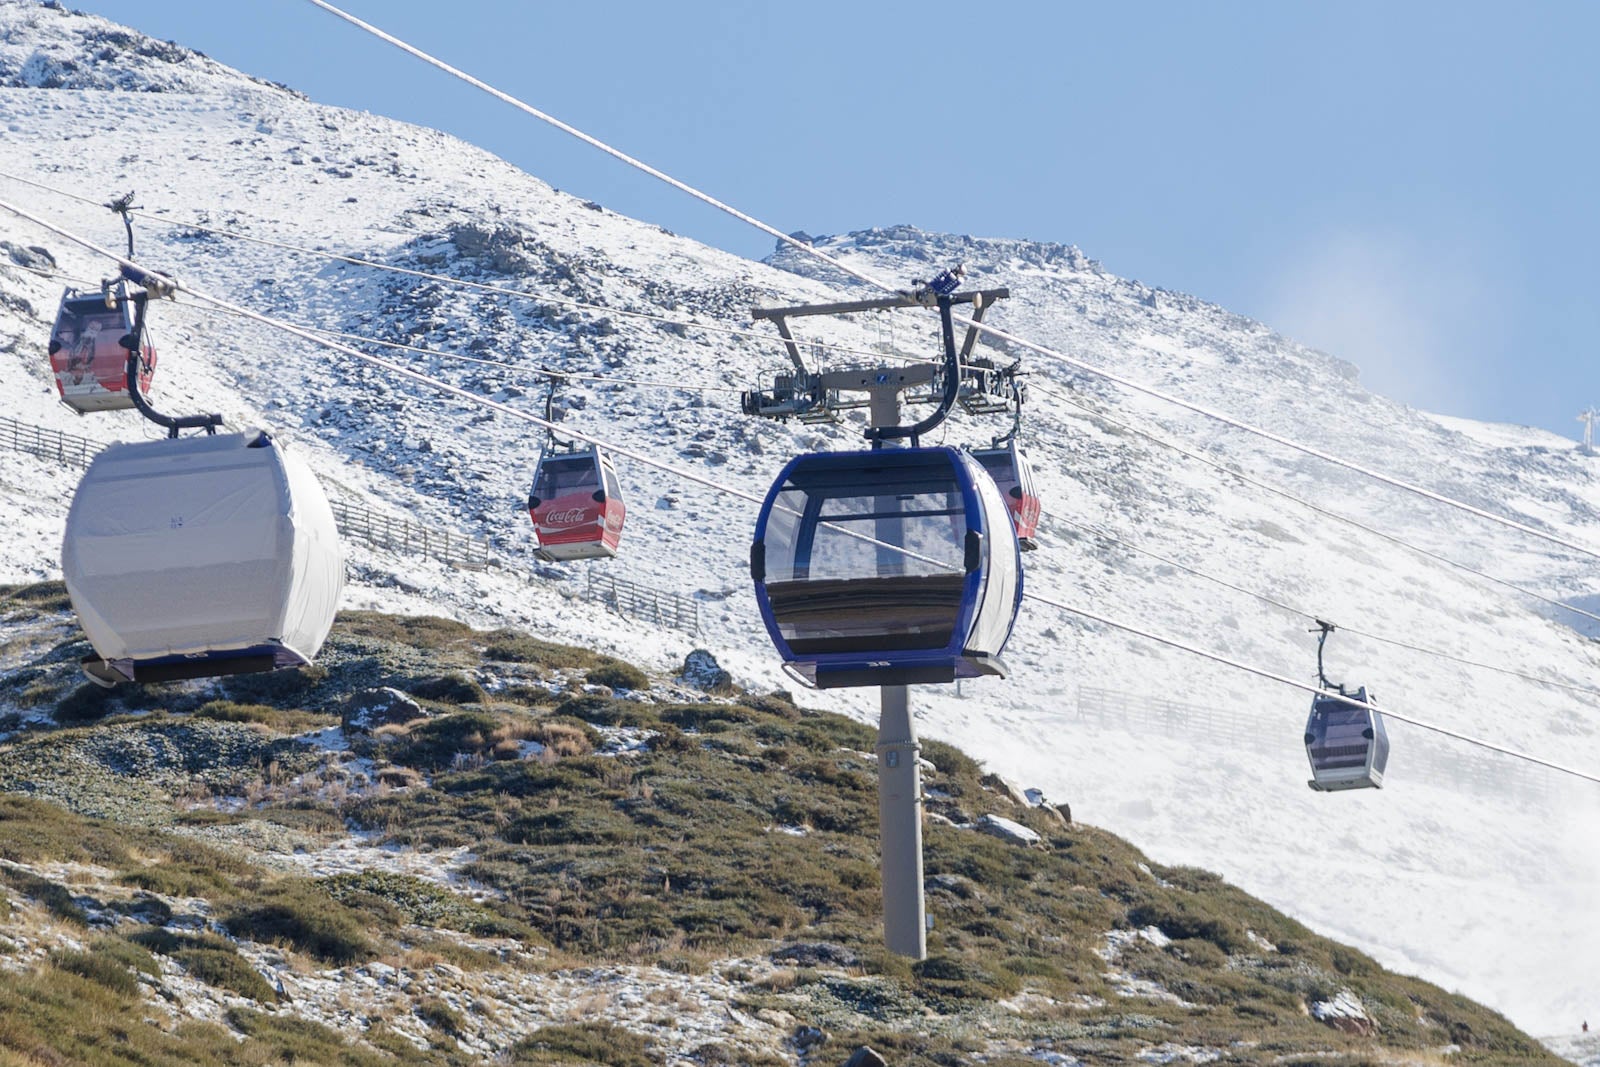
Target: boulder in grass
866	1056
702	671
1345	1013
366	710
1006	788
1007	830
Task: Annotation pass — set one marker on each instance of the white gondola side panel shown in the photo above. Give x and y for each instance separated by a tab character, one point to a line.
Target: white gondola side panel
199	546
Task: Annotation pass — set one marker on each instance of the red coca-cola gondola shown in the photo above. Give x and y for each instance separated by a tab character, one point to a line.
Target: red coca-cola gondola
576	505
86	353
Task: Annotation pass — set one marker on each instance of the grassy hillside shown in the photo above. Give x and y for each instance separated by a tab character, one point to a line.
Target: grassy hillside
540	855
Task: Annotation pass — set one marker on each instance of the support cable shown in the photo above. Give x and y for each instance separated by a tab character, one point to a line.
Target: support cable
461	283
1317	509
1313	617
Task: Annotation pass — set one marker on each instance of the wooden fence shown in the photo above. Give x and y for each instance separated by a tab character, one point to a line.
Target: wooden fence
634	601
356	522
65	448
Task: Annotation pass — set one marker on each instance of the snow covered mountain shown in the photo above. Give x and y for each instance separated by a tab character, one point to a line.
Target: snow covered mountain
1476	874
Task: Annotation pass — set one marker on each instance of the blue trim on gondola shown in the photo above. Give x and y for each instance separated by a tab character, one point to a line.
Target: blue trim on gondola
214	660
869	666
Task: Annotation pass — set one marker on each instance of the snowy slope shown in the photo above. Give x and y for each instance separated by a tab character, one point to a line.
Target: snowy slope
1488	895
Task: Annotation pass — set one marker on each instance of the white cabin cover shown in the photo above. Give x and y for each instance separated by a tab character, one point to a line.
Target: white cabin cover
205	544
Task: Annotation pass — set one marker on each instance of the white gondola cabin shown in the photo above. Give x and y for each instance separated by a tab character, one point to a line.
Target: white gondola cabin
1011	472
1347	745
193	557
845	607
576	505
86	354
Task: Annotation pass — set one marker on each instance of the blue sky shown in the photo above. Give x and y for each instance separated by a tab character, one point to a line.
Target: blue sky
1411	186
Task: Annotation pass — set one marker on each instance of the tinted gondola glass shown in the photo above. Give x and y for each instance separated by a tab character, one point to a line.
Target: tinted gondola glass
1011	473
1348	746
193	557
845	607
576	505
86	354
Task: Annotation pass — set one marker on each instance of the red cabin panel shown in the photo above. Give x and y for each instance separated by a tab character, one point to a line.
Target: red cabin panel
89	363
1011	473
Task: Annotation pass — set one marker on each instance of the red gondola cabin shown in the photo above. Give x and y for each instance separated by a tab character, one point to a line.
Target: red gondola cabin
87	357
576	505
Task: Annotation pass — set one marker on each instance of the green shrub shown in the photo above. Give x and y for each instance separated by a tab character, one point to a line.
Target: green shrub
56	898
306	917
423	902
104	970
226	969
289	685
176	879
1191	917
598	1044
429	633
434	745
947	978
1199	952
447	689
512	646
40	597
85	704
439	1015
618	675
951	761
280	720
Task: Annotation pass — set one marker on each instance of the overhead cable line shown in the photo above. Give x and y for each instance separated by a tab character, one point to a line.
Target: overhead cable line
1318	509
464	283
1318	617
1261	672
536	371
710	483
991	331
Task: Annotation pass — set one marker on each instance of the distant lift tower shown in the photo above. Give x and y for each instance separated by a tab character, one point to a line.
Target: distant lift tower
815	396
1587	418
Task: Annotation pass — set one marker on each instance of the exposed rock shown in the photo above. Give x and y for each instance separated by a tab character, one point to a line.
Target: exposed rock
701	671
1007	830
1008	789
808	1037
33	256
475	240
368	709
865	1057
815	954
1344	1013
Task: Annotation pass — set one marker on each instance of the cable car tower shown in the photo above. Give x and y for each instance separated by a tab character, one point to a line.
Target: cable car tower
890	566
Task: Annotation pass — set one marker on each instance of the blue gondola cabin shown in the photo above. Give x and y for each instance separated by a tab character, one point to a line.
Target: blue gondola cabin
888	567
